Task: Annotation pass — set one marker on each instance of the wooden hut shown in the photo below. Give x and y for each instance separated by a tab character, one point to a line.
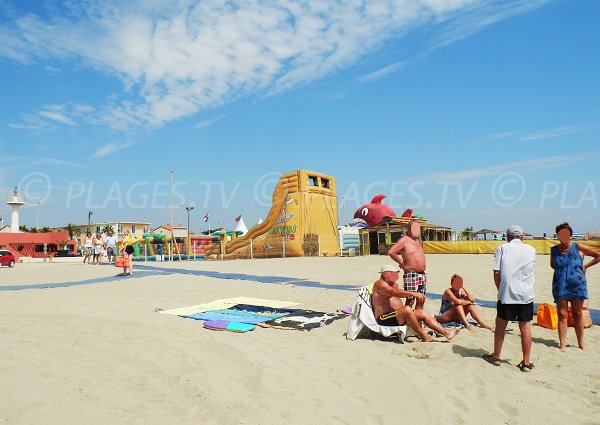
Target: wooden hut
379	238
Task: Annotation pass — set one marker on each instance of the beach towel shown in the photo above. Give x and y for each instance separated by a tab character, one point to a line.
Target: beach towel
305	320
363	317
222	325
242	314
459	325
226	303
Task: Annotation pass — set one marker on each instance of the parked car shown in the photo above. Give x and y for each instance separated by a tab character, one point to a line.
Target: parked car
6	258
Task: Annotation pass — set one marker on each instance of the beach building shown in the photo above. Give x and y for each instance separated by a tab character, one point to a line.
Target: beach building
137	228
378	239
179	232
31	244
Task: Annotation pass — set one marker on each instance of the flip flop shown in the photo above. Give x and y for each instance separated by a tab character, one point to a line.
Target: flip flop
491	359
525	367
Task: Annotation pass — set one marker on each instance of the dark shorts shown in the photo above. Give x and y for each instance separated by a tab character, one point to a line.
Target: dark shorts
387	319
110	251
515	312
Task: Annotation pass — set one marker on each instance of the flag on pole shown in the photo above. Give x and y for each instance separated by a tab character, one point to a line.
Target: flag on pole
206	217
237	219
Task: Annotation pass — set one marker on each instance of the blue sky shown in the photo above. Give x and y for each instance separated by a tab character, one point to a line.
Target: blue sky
473	113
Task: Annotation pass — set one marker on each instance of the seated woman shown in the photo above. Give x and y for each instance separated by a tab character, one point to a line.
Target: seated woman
457	303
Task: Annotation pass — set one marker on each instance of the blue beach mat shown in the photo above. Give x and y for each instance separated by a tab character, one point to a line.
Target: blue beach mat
223	325
236	315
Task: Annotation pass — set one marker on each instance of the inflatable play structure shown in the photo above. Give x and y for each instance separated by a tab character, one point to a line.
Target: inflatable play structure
374	212
301	222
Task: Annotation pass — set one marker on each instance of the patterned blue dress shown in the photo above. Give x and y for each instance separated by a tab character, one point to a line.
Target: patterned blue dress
569	281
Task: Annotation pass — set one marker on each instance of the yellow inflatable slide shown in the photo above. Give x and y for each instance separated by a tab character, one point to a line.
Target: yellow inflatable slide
301	222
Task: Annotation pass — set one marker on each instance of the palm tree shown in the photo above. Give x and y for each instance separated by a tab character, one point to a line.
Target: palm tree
467	234
23	228
72	229
45	230
107	228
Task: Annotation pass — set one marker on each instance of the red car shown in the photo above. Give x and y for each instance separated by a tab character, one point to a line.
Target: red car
6	258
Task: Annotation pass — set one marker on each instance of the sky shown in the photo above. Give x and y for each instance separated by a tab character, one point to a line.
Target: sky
472	113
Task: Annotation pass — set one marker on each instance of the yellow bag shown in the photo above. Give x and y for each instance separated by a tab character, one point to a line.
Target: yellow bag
546	316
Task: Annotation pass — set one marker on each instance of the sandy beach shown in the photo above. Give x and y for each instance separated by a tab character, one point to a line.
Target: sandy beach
96	352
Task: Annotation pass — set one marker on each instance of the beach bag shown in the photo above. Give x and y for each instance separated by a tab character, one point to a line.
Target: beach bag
547	317
585	313
121	262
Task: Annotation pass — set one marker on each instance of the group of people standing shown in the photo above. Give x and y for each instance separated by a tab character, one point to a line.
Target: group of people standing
513	276
95	248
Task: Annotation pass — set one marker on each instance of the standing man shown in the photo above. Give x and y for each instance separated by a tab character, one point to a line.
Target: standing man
111	246
514	279
409	255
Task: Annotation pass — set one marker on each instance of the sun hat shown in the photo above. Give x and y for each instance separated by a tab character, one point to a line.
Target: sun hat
389	268
514	230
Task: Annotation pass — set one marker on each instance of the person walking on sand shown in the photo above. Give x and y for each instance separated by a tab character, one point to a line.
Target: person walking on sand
390	311
569	284
409	255
458	303
513	276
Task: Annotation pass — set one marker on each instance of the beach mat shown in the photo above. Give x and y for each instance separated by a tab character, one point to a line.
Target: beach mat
238	314
224	325
223	304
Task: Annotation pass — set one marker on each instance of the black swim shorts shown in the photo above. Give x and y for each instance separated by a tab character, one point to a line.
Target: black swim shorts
515	312
387	319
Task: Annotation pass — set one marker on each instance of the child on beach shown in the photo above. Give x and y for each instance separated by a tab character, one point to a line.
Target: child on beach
457	303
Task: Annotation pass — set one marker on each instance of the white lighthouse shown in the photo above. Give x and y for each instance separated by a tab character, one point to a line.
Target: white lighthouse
15	201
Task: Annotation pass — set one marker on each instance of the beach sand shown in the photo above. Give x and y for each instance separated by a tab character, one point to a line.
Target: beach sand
98	353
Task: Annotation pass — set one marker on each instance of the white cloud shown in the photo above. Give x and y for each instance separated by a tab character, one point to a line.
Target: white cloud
176	58
30	122
208	123
516	167
390	69
110	149
552	133
54	161
558	132
57	116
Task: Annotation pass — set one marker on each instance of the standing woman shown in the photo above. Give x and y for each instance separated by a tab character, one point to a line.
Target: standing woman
128	241
88	247
569	284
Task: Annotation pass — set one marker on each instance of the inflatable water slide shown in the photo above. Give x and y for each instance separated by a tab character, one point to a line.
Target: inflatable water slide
302	221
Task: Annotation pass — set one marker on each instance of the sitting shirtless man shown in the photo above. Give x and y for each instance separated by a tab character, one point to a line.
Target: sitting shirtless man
409	255
389	310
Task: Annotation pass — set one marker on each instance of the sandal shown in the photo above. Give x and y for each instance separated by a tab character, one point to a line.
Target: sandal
491	359
525	367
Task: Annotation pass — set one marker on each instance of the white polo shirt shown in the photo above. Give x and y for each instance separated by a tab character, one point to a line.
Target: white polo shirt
515	261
